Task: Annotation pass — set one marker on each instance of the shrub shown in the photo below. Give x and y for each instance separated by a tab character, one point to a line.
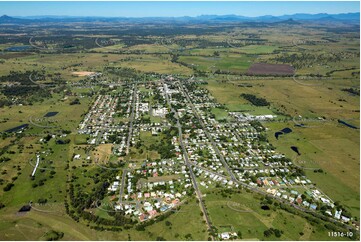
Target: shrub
8	187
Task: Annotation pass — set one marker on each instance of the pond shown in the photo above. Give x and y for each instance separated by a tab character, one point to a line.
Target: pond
347	124
50	114
25	208
295	149
265	207
23	126
278	134
283	131
286	130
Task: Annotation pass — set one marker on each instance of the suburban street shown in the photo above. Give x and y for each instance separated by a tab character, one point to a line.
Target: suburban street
121	191
208	135
131	118
189	165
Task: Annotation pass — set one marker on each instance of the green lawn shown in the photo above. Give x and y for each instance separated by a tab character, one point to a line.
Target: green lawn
220	113
329	147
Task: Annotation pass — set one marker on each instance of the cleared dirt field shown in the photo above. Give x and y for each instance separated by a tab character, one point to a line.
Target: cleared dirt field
103	152
82	73
270	69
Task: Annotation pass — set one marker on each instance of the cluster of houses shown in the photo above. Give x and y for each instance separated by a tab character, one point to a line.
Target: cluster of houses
244	117
104	119
252	162
98	122
159	111
156	186
228	235
94	75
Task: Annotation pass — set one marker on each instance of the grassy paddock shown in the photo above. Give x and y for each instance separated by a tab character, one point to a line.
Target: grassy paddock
243	212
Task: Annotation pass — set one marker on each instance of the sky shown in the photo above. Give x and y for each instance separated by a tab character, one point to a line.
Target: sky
173	8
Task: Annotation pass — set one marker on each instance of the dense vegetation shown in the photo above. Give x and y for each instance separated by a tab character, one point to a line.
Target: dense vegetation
352	91
308	59
22	78
80	201
257	101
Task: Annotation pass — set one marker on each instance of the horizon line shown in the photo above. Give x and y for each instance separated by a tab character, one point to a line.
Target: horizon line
102	16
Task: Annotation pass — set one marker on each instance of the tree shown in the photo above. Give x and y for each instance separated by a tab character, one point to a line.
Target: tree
267	233
54	235
188	236
8	187
42	201
239	234
278	233
75	101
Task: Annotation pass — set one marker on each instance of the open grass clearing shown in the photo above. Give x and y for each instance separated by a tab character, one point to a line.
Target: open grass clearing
329	147
252	221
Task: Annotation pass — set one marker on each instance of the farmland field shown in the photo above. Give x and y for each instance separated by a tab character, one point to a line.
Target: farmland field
270	69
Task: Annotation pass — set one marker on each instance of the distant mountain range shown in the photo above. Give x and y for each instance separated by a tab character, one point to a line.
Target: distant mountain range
353	18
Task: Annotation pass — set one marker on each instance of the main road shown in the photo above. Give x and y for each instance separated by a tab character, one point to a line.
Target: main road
121	190
131	117
233	177
189	165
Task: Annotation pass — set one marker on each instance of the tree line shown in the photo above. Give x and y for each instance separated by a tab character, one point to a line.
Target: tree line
257	101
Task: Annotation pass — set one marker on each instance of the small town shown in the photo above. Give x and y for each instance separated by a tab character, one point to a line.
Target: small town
205	153
179	120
